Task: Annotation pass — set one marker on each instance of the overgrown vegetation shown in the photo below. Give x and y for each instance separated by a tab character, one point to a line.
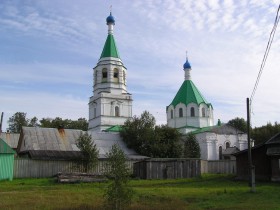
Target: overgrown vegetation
191	147
206	192
259	134
19	119
89	151
118	193
142	134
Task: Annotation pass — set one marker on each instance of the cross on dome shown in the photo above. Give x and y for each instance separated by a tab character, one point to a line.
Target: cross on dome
187	64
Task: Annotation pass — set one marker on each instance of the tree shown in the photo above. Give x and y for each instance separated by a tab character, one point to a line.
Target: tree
166	143
17	121
265	132
89	151
238	123
118	194
58	122
138	133
191	147
142	135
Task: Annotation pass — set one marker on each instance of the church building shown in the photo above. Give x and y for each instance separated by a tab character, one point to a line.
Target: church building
190	112
111	104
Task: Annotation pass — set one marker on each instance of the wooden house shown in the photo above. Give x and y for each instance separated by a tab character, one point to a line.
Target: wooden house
265	159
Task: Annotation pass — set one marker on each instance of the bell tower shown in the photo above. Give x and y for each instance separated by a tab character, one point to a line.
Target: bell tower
110	104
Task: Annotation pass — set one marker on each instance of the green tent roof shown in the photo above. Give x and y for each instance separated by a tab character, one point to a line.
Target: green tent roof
5	148
188	93
110	48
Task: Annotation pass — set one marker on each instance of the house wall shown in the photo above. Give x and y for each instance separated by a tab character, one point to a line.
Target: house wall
259	159
6	166
275	168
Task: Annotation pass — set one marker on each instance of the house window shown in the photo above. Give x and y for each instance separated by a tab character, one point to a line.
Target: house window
192	112
117	111
220	153
203	112
116	75
181	112
104	75
227	145
171	114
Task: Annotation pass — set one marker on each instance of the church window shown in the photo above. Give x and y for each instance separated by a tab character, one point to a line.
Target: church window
192	112
94	112
171	114
220	153
116	75
117	111
181	112
227	145
95	77
104	75
124	79
203	112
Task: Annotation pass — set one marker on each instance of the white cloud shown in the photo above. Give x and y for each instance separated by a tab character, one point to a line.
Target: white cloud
225	41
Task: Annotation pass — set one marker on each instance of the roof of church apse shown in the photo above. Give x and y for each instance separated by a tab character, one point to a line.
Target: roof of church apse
188	93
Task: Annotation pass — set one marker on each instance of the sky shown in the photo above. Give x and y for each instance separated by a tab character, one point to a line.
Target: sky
49	48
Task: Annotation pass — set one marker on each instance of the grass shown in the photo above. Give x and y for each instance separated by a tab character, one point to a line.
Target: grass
206	192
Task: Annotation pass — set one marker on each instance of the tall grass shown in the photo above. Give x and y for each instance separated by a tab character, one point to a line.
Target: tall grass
206	192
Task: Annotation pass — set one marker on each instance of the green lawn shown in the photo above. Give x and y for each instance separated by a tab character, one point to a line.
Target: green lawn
206	192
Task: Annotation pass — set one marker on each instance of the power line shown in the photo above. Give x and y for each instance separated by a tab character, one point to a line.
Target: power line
271	37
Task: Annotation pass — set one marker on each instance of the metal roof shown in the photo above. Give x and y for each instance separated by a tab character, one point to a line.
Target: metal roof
42	140
188	93
219	129
230	150
5	148
110	48
10	138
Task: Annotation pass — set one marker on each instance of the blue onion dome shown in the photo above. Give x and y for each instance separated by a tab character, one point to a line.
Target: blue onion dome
187	65
110	19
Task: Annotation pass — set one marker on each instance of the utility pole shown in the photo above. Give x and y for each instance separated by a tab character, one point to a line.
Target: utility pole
1	122
251	168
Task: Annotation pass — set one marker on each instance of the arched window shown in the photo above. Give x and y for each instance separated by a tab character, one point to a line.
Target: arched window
220	153
124	77
95	77
116	75
203	112
181	112
171	114
94	112
104	75
192	112
227	145
117	111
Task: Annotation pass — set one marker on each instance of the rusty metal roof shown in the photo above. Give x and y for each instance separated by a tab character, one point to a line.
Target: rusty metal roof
10	138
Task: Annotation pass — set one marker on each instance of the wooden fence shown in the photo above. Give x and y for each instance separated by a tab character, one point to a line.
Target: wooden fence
221	166
27	168
167	168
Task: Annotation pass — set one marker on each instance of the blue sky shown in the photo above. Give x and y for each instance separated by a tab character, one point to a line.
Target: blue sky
48	50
